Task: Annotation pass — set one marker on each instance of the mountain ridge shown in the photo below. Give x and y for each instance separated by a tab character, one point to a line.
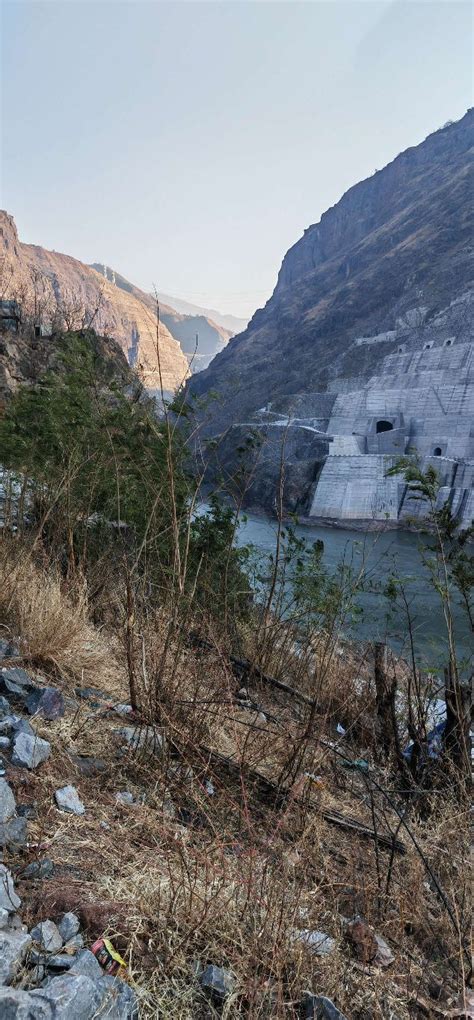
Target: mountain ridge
366	281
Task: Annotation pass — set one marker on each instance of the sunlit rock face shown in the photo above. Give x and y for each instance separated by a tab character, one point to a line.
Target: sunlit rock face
45	283
367	338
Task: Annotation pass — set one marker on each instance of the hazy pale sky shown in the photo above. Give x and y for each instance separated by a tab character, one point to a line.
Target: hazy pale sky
189	144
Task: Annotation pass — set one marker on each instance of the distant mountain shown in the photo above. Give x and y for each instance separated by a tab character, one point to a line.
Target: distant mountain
231	323
46	283
364	350
199	336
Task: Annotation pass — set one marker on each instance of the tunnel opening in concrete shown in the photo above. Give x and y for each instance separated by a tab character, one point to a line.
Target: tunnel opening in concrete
384	426
437	451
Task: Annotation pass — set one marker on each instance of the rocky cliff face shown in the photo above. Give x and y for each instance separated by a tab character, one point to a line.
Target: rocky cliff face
199	337
48	285
367	339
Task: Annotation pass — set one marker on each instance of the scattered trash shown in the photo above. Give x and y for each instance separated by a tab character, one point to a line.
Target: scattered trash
209	787
340	729
109	959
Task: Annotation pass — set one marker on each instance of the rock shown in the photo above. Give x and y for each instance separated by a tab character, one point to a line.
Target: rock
120	1001
261	719
362	939
243	694
67	799
86	964
5	743
17	1004
47	702
69	926
318	942
13	833
16	724
88	765
60	961
13	949
4	707
318	1007
217	982
39	869
29	751
124	797
47	935
144	738
69	997
384	956
75	943
7	802
4	919
123	709
8	898
15	684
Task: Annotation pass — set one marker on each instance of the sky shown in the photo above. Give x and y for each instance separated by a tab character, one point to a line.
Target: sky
189	144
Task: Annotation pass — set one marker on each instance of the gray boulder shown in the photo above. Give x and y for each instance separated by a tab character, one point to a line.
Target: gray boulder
88	765
47	702
85	963
5	743
217	982
15	683
318	1007
46	934
67	799
15	724
8	898
69	997
7	802
39	869
29	751
13	948
13	834
60	961
69	926
4	706
120	1001
144	738
16	1004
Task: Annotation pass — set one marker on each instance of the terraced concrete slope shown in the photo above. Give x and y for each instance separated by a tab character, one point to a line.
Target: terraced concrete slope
365	344
48	284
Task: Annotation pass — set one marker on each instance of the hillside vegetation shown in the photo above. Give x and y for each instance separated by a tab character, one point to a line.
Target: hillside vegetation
256	839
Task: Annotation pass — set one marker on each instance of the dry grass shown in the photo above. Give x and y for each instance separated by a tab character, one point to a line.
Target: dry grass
185	876
51	623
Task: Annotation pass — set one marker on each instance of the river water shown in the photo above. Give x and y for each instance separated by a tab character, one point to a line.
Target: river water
383	554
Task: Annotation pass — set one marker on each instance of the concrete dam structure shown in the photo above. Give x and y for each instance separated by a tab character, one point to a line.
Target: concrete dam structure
420	402
363	353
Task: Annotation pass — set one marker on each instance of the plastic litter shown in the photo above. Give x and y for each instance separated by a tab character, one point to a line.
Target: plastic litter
109	959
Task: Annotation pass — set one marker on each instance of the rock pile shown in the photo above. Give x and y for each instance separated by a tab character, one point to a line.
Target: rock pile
59	978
